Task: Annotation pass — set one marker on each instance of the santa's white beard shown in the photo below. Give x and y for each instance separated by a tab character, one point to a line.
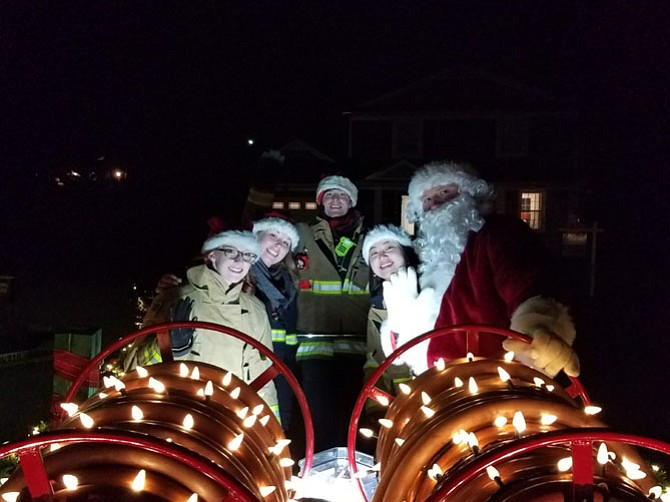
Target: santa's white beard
443	234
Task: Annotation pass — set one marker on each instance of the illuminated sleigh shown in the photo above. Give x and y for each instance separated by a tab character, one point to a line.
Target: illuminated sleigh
477	429
170	432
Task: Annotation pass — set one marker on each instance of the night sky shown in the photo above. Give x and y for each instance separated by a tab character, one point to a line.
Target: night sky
172	90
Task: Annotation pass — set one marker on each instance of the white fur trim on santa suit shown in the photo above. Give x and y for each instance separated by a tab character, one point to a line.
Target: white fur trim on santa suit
544	313
382	233
444	173
340	183
243	240
280	225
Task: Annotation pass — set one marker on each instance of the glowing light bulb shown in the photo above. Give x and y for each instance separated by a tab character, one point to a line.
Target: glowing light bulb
183	370
440	364
264	421
427	411
592	410
404	388
139	481
195	374
136	413
366	432
435	472
492	472
538	382
470	357
399	441
500	421
249	421
286	462
547	419
102	395
227	378
235	393
236	442
86	421
564	464
209	388
141	372
383	400
257	410
70	408
267	490
193	498
71	482
458	382
425	398
156	385
188	421
10	496
242	413
519	422
509	356
385	422
472	386
279	447
504	376
602	457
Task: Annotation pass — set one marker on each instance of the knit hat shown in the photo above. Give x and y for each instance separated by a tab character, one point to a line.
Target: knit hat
280	223
339	182
382	233
241	239
444	173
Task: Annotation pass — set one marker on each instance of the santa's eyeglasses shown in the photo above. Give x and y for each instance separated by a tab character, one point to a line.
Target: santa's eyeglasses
233	254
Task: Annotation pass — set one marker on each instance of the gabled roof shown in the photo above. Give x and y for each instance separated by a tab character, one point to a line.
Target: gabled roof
399	171
457	90
299	149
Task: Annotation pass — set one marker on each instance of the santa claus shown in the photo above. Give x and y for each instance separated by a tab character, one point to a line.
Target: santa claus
477	268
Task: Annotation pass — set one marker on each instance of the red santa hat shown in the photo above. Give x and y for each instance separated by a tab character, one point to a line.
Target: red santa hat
340	183
382	233
240	239
444	173
280	223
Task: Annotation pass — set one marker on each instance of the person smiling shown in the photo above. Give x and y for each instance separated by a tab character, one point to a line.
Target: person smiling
215	292
276	281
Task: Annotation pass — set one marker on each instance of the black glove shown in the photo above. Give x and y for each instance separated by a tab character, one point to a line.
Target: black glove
181	339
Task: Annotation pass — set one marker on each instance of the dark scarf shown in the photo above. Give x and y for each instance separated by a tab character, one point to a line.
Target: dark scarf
275	283
343	225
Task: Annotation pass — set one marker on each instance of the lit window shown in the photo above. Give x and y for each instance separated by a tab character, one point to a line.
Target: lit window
310	205
277	205
532	209
406	225
294	205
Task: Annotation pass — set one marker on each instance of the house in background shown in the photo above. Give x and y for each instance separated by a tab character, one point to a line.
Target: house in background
522	139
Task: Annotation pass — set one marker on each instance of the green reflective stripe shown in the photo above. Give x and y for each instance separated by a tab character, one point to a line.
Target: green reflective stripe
351	288
349	347
292	339
151	354
315	350
402	379
275	411
279	335
326	287
370	363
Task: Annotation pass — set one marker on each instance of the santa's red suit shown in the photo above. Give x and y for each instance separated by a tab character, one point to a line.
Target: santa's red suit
502	266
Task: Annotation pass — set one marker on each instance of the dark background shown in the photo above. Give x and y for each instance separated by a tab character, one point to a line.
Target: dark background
172	90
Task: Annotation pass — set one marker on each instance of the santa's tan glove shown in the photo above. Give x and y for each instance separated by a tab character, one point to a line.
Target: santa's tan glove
548	353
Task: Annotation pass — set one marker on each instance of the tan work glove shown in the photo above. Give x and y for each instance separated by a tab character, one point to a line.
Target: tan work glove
547	353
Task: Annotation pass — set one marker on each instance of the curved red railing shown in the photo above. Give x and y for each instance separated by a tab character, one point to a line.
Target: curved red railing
163	334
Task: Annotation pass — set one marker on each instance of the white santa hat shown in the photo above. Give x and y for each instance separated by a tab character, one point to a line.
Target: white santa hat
382	233
339	182
280	224
444	173
243	240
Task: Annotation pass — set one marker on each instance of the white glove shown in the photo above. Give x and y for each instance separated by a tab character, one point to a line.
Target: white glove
400	294
547	353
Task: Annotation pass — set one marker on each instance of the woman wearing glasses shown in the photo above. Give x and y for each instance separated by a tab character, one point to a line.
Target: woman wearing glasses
215	292
276	281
